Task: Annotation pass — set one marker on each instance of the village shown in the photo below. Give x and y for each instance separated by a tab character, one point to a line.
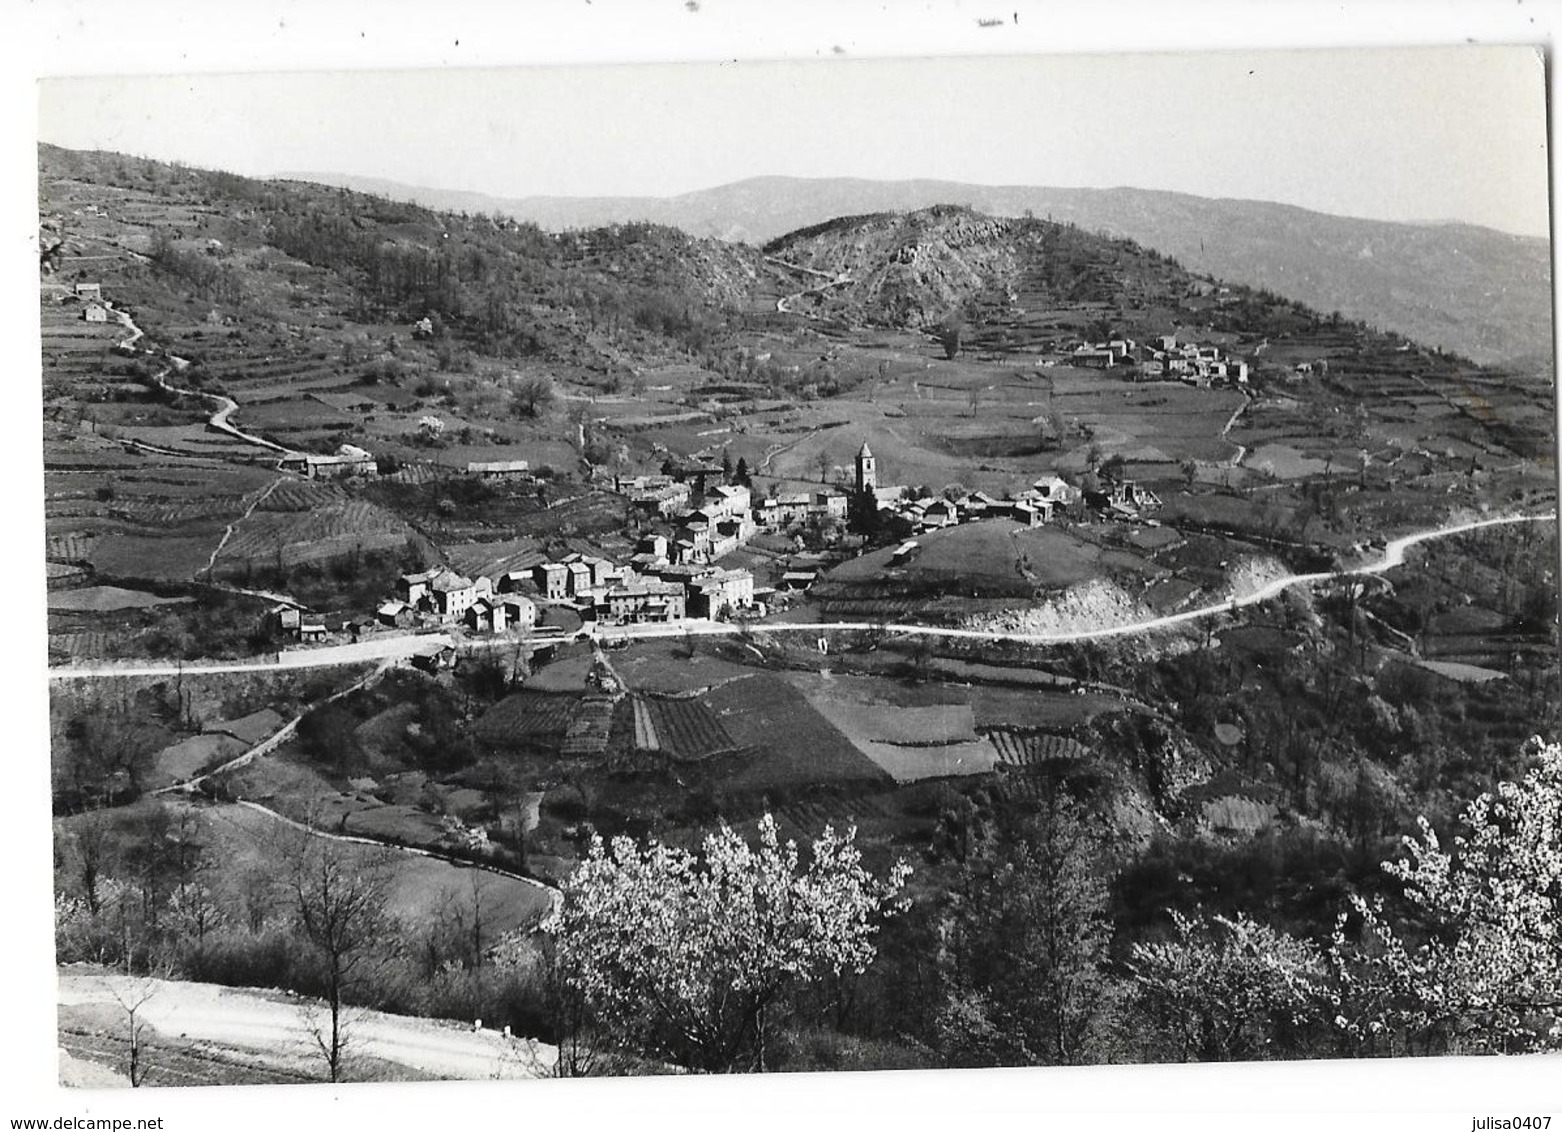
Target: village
464	548
1168	358
675	573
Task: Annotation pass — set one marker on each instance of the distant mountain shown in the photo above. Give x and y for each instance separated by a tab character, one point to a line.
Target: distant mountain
1478	292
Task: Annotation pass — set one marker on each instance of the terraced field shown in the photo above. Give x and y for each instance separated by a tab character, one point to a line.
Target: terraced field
590	727
794	746
683	728
1024	748
326	531
527	716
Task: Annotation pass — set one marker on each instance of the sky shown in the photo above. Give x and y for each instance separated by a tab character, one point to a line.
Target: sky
1419	134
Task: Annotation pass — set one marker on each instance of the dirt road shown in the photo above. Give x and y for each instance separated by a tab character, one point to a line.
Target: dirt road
1392	557
271	1027
375	648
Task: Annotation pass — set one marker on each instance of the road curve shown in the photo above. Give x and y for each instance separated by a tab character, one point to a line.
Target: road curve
1393	556
400	648
553	894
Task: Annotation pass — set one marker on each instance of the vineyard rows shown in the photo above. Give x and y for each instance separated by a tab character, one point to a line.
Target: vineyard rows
1031	748
816	813
590	727
302	536
684	728
69	548
72	646
300	495
165	514
527	715
886	609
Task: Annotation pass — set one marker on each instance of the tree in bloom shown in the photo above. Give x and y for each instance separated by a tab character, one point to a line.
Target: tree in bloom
1486	973
680	955
1227	990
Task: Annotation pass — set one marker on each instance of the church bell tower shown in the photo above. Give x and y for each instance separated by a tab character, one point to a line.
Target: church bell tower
867	470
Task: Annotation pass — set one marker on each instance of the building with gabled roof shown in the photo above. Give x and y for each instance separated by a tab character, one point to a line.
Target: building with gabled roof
450	595
496	469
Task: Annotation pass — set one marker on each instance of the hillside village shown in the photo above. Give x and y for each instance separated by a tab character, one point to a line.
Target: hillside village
453	546
676	574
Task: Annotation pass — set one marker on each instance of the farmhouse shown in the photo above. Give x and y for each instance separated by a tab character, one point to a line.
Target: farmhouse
282	619
1093	357
511	581
520	610
1122	499
434	656
487	615
95	312
348	461
798	579
939	513
89	292
496	469
413	588
451	595
395	615
1032	513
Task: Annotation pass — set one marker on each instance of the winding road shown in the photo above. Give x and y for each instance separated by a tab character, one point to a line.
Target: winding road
402	647
784	305
225	406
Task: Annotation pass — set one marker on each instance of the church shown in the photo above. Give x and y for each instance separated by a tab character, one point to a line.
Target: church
867	479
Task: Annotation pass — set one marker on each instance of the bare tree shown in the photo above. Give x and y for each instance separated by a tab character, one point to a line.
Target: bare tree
131	998
339	900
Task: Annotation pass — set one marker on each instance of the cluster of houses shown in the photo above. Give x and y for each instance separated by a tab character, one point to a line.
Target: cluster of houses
442	596
1035	506
676	575
1164	358
713	522
651	587
90	296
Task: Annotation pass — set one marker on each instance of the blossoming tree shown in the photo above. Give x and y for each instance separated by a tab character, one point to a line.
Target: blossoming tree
1487	976
680	955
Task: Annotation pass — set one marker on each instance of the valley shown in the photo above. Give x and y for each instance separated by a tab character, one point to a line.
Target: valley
454	544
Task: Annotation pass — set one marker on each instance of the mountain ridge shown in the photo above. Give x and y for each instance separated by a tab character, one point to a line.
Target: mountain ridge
1475	291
